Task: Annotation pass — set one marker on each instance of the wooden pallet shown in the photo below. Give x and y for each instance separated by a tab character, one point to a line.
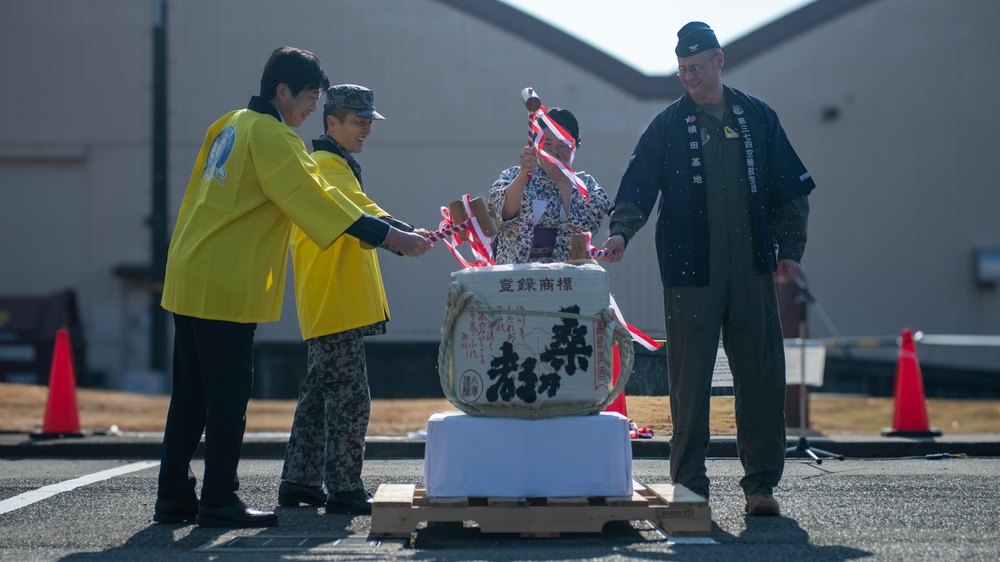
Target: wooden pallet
399	508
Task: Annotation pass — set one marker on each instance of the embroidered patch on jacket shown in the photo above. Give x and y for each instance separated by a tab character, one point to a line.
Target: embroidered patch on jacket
222	146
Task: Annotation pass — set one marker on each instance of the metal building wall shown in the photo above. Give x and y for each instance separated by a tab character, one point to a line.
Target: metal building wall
905	191
75	137
905	173
449	86
74	162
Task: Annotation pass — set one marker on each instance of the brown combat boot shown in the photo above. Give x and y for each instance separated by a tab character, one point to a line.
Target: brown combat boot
762	504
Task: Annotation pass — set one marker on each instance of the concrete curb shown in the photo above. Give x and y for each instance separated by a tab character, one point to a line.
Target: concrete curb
272	445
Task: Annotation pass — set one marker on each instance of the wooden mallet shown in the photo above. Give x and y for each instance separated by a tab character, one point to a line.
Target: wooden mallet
578	248
461	223
531	99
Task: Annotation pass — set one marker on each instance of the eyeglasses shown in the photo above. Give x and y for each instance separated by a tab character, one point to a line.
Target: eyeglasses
694	68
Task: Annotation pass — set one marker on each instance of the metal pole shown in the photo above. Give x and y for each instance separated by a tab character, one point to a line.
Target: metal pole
804	299
803	389
158	218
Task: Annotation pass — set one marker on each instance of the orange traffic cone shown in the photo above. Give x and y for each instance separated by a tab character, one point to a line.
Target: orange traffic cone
61	415
909	418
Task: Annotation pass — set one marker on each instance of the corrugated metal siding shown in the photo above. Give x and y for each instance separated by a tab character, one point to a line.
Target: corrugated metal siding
906	189
74	158
449	86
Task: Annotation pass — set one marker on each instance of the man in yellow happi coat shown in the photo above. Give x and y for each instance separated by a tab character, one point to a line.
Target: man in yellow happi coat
226	272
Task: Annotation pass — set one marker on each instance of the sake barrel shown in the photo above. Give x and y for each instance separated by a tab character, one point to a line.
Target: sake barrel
531	341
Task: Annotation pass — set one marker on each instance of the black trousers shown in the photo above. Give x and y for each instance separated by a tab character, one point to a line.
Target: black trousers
212	380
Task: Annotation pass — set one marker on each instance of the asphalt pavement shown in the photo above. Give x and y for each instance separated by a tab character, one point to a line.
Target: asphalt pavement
90	497
84	510
91	445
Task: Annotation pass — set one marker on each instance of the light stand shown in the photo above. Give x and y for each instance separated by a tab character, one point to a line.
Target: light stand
804	299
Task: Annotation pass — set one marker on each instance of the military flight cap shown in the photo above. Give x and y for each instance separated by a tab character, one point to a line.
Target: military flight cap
694	38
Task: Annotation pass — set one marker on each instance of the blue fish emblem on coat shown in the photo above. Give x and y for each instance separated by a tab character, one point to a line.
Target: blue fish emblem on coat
222	146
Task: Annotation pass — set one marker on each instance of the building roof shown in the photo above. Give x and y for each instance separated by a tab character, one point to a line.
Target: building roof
632	81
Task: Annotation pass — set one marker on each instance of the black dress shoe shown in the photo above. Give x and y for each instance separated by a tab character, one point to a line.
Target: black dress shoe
358	502
172	512
235	515
291	494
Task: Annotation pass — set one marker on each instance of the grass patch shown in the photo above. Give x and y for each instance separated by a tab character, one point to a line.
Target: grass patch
22	409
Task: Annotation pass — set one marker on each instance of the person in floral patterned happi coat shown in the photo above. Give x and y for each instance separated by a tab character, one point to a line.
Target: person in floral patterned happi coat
537	208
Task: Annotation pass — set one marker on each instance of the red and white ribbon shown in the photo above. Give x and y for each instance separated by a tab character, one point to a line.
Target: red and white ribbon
447	230
638	336
480	244
593	252
537	137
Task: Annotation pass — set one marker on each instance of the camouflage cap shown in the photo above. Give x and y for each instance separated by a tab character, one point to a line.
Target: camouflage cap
354	98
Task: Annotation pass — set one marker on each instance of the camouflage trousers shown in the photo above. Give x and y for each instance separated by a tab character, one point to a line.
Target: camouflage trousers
327	444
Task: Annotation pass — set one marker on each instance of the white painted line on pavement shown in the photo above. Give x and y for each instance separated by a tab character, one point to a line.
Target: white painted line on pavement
45	492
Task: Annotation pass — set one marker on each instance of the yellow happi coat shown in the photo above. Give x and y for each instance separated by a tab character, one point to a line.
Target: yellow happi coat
339	288
229	250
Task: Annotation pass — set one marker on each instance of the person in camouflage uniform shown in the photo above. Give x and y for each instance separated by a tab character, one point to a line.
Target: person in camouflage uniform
327	443
340	299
